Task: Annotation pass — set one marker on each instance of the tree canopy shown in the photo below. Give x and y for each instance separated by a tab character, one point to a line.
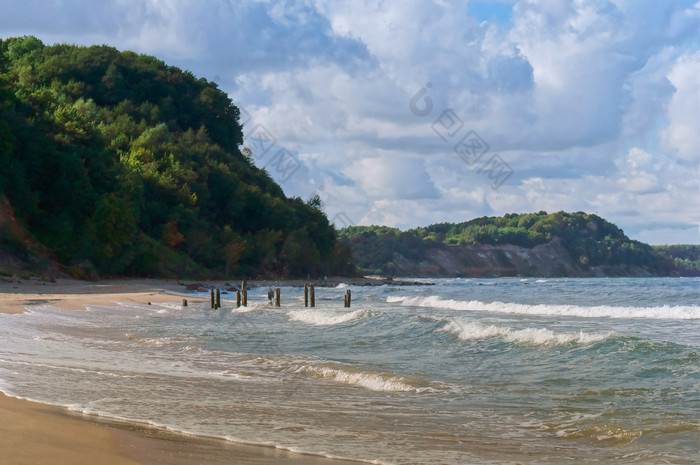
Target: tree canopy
590	240
135	166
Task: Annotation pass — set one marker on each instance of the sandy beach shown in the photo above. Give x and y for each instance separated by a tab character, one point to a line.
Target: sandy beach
33	433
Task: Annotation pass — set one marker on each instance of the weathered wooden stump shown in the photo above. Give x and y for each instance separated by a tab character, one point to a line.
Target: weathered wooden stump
218	298
213	302
184	302
312	295
238	298
306	294
277	297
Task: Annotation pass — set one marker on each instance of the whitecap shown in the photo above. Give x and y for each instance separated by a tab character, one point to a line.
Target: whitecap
367	379
473	330
245	309
601	311
325	317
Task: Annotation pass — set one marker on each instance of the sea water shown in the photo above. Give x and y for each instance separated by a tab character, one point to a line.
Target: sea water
498	371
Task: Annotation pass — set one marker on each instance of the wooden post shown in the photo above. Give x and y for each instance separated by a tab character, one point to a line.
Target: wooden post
218	298
245	298
345	300
184	302
238	298
277	297
348	298
270	296
312	295
306	294
243	285
213	303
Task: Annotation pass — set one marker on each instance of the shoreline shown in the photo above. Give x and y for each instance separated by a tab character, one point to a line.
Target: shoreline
41	433
69	294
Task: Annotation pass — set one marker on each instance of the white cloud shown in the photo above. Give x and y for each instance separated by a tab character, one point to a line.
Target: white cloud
682	136
393	177
637	173
593	103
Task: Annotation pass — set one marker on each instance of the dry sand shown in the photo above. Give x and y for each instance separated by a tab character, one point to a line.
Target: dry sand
32	433
75	295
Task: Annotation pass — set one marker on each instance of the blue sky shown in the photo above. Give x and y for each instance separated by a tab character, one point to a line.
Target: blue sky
490	10
414	112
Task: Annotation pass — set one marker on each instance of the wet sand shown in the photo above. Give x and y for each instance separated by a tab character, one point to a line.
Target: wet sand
33	433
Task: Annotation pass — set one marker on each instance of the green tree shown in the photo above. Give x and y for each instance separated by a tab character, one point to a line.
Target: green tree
136	166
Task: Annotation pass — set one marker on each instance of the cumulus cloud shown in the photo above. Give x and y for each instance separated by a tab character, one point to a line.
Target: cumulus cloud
682	136
393	177
592	103
638	174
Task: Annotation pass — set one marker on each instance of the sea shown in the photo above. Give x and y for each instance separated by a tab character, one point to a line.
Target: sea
461	371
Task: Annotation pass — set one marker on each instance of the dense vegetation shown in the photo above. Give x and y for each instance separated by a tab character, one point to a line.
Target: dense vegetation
120	160
589	240
685	257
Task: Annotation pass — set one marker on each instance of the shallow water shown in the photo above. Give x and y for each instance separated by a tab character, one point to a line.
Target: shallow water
466	371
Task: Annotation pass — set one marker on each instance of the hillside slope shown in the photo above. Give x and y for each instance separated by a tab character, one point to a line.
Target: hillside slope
130	165
534	244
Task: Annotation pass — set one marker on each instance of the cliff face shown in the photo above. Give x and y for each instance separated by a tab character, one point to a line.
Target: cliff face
516	244
546	260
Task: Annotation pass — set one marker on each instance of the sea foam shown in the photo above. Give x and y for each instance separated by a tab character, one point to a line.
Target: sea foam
374	381
473	330
325	317
602	311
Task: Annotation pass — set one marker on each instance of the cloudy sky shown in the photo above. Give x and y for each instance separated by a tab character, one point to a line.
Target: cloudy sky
412	112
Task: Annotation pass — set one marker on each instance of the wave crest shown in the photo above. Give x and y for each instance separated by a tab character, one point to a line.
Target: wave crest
602	311
325	317
374	381
473	330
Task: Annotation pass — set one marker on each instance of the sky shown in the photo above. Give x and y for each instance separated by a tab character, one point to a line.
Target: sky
407	113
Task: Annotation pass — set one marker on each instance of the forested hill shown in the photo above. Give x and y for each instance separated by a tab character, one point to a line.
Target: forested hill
120	162
533	244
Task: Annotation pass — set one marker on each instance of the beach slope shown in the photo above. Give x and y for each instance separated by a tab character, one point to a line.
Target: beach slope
33	433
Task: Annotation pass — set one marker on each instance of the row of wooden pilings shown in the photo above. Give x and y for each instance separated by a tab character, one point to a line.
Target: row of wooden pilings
242	297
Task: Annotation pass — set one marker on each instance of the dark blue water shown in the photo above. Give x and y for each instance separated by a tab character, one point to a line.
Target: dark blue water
465	371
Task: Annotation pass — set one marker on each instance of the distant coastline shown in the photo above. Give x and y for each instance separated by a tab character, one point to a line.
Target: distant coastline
498	261
541	244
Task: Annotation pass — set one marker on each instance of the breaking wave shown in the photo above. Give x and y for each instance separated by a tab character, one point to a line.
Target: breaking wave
325	317
374	381
602	311
472	330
